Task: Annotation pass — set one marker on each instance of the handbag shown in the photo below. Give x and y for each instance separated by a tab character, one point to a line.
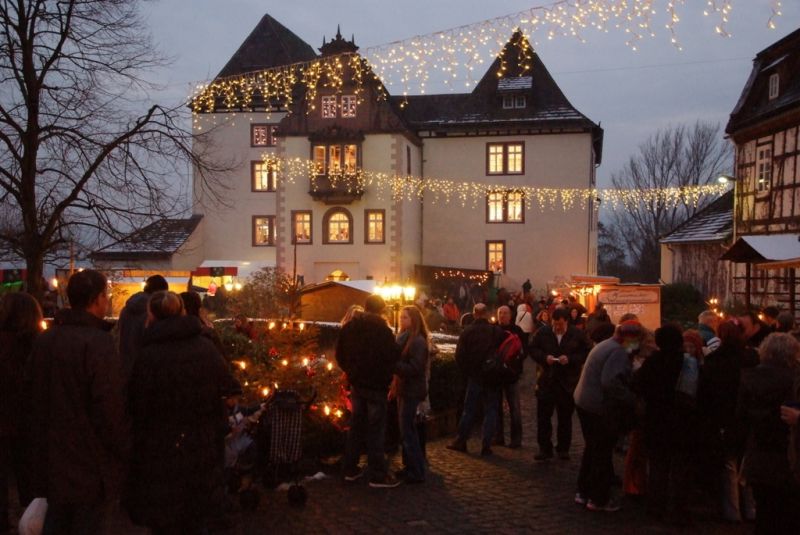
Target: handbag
32	521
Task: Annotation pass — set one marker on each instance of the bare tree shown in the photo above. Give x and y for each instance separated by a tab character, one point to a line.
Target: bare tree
676	156
82	154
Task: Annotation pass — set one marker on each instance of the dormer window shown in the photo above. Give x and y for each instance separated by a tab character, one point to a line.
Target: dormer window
335	158
513	101
329	107
774	86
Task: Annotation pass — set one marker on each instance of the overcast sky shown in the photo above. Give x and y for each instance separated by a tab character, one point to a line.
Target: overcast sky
632	94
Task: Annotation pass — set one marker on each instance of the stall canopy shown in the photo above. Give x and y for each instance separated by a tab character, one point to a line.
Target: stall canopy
774	251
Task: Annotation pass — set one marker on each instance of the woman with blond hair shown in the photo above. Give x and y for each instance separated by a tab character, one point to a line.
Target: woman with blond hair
175	401
412	388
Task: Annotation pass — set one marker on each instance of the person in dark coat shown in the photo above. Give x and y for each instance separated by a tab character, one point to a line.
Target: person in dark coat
175	399
560	350
762	392
79	429
475	344
367	353
668	425
412	388
132	319
511	390
20	323
719	389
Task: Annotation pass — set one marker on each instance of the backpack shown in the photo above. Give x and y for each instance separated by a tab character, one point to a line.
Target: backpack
497	368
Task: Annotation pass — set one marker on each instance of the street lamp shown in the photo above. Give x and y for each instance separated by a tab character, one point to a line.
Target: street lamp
396	295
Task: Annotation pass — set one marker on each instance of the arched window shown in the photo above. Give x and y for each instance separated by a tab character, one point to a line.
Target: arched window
337	226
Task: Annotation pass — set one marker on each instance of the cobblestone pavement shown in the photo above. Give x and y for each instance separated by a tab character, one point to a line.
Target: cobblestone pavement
503	494
507	493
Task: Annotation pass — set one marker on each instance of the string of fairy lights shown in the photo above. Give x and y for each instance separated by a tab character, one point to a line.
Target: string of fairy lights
455	53
469	193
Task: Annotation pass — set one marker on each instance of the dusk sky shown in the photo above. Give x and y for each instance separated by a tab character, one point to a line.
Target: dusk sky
631	93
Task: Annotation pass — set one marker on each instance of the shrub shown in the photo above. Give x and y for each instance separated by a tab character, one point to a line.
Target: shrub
682	303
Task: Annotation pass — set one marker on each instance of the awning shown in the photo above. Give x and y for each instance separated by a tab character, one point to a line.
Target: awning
773	251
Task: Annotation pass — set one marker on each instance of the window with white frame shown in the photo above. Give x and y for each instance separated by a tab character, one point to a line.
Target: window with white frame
264	176
301	226
335	158
263	230
519	101
508	102
763	168
349	105
505	207
329	107
496	256
375	225
263	135
505	158
774	85
338	226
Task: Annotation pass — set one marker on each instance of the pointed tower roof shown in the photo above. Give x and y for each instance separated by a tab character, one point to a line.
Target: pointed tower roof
338	45
518	70
270	44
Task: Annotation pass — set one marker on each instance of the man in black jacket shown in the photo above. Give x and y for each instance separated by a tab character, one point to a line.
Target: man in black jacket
80	433
560	351
478	342
367	353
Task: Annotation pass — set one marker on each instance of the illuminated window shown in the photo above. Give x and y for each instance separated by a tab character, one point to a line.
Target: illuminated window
515	207
337	226
349	103
335	159
764	168
496	158
319	159
774	86
496	256
329	107
375	225
264	176
263	135
514	158
505	207
505	158
495	207
263	230
301	226
350	158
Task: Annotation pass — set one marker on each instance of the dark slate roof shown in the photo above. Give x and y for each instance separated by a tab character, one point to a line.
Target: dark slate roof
270	44
714	223
546	106
754	105
159	239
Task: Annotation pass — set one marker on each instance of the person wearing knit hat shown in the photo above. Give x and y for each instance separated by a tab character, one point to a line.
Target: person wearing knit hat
602	398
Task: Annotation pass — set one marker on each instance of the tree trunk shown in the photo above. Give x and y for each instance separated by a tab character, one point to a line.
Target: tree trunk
34	278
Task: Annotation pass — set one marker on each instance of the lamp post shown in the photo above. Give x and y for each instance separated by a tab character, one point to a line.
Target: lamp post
396	295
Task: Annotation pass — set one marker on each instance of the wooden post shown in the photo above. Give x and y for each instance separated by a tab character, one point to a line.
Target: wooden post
792	291
747	285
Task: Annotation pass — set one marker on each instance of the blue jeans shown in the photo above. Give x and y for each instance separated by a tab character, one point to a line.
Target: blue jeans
491	401
368	423
413	458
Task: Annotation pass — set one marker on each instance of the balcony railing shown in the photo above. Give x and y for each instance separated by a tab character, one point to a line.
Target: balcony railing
340	188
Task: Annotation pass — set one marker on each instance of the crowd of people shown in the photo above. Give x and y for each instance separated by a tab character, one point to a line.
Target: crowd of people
141	416
88	419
